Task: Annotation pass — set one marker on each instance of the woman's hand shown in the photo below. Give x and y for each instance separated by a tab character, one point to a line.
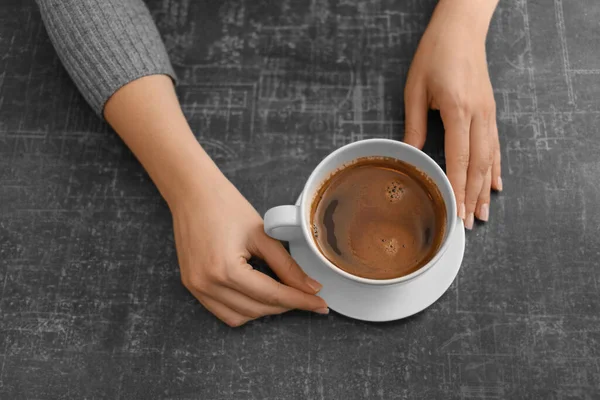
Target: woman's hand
449	73
216	229
216	232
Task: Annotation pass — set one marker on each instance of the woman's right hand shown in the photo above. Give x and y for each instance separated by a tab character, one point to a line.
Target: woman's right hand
216	229
216	233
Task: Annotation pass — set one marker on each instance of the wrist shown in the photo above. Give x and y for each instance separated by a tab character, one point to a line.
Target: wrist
474	15
187	176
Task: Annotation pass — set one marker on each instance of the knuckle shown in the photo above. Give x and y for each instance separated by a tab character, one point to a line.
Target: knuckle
497	159
484	197
497	152
290	266
253	314
484	162
491	155
217	272
460	195
489	110
234	321
217	275
184	280
458	102
471	200
483	166
462	160
411	131
275	296
194	282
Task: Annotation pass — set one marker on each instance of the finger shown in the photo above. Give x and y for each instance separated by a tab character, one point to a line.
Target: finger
415	110
456	125
282	263
496	164
243	304
479	164
221	311
266	290
483	203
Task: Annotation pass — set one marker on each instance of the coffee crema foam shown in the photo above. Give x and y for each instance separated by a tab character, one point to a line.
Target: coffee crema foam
378	218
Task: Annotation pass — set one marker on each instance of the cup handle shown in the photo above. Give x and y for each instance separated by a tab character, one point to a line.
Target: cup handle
283	223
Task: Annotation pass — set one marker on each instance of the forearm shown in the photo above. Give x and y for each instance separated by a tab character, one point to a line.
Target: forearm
113	52
147	116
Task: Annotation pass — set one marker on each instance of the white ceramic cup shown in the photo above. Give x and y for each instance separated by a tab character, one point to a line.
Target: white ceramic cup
292	223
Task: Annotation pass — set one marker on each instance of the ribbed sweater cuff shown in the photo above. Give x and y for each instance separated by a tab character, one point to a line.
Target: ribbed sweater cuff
105	44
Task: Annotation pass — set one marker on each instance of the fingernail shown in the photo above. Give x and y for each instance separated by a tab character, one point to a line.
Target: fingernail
461	211
469	221
323	311
314	285
484	212
499	184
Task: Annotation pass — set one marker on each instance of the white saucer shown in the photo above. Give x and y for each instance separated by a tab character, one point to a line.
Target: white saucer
383	303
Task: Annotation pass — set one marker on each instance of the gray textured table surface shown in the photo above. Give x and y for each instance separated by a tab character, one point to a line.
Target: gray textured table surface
91	305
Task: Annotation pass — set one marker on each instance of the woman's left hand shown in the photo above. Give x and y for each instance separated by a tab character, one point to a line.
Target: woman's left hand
449	72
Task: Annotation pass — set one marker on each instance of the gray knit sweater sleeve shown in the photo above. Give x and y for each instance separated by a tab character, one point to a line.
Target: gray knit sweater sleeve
105	44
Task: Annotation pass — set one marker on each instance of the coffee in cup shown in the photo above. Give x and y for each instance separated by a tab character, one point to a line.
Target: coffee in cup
364	176
378	218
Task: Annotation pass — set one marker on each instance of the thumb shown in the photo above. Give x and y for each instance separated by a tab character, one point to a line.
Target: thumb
415	111
282	263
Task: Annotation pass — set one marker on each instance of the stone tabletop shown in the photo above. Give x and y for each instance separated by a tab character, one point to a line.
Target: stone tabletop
91	304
